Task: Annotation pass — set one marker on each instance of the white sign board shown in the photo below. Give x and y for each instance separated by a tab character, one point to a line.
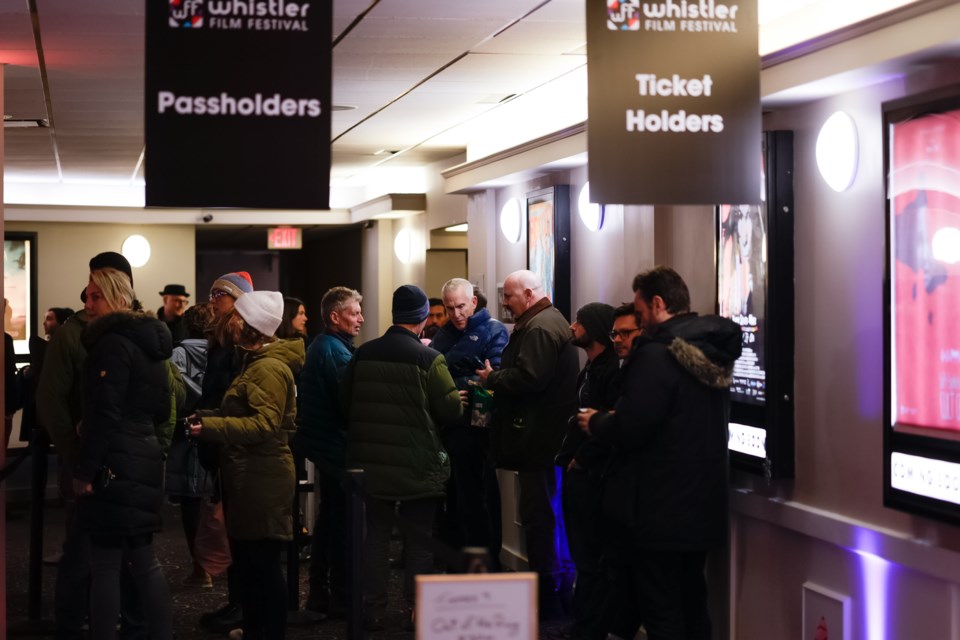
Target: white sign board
477	606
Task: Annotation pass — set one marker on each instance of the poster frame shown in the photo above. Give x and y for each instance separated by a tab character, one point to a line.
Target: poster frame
776	416
31	321
937	446
553	202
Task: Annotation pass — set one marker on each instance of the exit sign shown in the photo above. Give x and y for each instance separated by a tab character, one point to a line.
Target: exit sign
284	238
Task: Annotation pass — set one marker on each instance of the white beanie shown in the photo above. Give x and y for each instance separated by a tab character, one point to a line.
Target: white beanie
262	310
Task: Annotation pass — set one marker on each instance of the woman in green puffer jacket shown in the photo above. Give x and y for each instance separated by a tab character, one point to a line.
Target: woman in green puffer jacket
253	423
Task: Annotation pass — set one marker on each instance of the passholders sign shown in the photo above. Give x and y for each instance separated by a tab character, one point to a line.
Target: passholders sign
674	102
238	103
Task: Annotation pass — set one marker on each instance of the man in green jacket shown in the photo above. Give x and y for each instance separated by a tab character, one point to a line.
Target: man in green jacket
534	394
398	394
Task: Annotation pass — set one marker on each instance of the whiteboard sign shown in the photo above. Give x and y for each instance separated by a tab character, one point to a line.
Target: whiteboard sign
477	606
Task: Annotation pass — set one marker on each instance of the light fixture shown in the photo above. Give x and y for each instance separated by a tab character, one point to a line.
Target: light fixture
136	249
9	122
837	151
403	246
457	228
946	245
510	222
590	213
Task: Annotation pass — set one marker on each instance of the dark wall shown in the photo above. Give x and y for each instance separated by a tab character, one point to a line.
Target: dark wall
328	259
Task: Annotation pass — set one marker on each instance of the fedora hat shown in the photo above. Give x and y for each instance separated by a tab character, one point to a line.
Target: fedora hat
174	290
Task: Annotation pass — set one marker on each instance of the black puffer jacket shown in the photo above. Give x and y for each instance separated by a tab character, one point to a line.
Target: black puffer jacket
126	398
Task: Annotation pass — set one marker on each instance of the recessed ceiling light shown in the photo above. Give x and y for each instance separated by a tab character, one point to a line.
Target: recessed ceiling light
10	122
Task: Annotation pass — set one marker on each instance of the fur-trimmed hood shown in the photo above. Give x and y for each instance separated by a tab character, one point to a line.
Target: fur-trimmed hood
148	333
706	346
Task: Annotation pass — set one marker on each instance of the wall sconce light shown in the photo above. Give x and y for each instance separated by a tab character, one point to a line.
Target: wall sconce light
837	151
403	246
946	245
590	213
136	249
510	221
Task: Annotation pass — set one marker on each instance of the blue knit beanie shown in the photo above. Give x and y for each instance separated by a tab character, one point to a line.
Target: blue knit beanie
410	305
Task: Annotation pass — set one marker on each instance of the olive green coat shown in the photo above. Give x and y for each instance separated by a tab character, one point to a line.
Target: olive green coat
254	422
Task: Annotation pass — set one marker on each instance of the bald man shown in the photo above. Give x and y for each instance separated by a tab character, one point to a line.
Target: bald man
534	394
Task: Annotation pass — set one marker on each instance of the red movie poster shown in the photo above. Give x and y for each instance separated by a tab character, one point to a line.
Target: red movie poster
925	287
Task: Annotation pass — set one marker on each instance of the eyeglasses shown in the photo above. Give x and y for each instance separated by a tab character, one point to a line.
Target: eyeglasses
216	294
623	334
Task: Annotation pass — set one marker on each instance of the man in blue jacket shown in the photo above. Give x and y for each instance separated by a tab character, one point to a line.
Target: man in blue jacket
469	338
320	437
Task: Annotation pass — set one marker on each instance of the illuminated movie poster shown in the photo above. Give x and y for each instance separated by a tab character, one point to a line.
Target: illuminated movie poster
16	292
925	277
742	286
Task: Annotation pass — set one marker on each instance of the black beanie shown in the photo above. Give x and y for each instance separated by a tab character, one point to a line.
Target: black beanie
597	320
108	260
111	260
410	305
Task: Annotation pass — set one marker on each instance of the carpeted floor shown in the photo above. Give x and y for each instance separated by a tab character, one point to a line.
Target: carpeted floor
188	603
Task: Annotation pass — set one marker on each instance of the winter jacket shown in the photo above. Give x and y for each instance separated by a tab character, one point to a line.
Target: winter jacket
126	401
177	326
322	423
670	429
59	390
253	423
190	358
596	389
398	394
184	475
534	392
465	351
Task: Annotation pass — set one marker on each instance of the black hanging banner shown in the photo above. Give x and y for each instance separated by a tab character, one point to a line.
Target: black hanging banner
674	101
237	109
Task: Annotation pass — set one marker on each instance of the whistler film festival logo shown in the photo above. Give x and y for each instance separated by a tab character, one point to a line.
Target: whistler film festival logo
186	14
694	16
623	15
240	15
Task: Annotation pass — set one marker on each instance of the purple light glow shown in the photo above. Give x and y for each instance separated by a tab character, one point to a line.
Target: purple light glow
874	585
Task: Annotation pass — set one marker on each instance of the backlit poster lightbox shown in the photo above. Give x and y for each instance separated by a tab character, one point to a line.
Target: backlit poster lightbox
922	438
755	290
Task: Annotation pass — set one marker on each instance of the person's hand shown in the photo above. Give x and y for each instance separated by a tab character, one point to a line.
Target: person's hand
572	465
583	419
483	373
82	487
194	425
464	397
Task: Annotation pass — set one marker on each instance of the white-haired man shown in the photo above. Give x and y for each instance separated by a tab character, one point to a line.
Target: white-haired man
534	394
467	340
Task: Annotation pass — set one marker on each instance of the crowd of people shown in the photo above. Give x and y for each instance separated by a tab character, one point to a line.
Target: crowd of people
209	406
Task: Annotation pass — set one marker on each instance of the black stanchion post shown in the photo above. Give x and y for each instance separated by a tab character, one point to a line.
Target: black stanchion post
476	560
39	446
296	616
354	542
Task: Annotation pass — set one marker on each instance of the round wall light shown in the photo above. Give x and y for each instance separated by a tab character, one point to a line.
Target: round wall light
510	221
837	151
403	245
590	213
946	245
136	249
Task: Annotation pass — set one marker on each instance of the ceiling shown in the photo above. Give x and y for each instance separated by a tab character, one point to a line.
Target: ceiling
418	74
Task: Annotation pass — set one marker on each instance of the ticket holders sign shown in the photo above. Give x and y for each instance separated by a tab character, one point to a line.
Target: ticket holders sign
237	104
674	101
